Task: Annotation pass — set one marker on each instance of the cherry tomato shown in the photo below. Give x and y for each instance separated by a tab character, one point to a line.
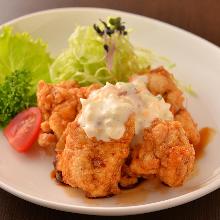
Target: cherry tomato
23	130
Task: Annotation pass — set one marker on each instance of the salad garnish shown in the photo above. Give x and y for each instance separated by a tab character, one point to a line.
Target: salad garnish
23	62
19	51
99	53
15	95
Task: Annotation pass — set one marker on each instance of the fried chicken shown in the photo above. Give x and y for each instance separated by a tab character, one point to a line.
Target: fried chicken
164	152
91	165
161	82
165	149
59	104
189	126
128	179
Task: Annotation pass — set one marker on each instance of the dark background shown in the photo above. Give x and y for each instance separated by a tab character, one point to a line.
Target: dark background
201	17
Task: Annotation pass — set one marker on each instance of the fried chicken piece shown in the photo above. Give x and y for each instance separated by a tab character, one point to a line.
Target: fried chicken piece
189	126
49	98
176	154
91	165
50	95
127	180
62	141
175	99
59	104
144	161
165	152
47	140
160	82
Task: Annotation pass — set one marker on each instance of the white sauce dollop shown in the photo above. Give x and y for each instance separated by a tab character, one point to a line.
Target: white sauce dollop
106	110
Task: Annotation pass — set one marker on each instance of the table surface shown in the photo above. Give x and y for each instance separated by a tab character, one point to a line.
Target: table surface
197	16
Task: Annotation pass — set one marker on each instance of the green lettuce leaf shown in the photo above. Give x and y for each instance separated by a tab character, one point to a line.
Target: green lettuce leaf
19	51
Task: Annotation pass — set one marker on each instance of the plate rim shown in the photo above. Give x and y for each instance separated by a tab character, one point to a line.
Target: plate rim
120	210
116	211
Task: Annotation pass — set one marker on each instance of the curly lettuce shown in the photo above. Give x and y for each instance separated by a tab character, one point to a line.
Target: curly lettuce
23	62
20	52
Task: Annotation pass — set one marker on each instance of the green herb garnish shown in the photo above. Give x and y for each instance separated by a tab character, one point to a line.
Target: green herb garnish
15	95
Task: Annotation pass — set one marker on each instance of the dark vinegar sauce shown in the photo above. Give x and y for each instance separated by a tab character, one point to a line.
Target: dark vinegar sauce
206	135
54	177
53	174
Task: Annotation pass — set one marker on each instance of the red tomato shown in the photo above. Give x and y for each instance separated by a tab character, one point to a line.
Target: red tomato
23	130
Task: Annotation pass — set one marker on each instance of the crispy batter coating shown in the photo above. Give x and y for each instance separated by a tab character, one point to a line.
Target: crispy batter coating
175	99
165	152
189	126
97	167
47	140
161	82
59	104
91	165
51	95
128	179
176	154
144	161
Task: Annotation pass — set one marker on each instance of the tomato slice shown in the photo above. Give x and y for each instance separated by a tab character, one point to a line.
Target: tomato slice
23	130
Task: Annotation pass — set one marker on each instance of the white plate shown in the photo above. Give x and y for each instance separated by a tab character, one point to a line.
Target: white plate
28	175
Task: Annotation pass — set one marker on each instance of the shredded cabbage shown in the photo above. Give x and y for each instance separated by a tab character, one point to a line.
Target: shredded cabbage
94	56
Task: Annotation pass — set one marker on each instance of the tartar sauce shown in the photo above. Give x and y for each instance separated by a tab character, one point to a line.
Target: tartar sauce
106	110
